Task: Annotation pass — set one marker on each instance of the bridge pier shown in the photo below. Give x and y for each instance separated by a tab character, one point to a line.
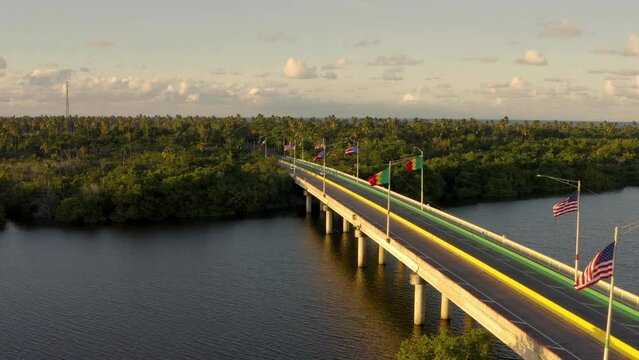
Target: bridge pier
445	309
381	255
309	202
361	247
418	282
329	219
469	323
345	225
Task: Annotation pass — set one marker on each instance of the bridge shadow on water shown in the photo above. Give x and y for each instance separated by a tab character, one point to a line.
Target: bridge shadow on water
383	293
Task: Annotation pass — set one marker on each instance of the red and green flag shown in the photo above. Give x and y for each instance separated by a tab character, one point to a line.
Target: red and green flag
415	163
381	177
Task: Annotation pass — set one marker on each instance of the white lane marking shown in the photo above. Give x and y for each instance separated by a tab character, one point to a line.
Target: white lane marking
558	346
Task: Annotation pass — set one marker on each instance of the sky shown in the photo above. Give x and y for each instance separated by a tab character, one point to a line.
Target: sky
528	60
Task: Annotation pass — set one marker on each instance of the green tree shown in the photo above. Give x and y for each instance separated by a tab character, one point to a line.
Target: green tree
473	345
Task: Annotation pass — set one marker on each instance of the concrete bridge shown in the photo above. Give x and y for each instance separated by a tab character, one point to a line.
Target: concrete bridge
524	298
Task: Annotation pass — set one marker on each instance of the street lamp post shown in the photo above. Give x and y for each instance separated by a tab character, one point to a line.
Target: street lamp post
575	184
388	212
421	195
294	157
357	161
324	167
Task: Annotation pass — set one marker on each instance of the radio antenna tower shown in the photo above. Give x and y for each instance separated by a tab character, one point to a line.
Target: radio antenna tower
67	90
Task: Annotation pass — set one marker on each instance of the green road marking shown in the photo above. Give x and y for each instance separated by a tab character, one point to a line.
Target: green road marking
563	280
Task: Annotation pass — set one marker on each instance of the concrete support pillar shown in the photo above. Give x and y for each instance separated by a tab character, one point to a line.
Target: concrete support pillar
329	219
309	202
361	248
417	281
445	312
345	225
469	323
381	256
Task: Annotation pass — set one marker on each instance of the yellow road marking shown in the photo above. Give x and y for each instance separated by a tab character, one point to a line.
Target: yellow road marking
589	328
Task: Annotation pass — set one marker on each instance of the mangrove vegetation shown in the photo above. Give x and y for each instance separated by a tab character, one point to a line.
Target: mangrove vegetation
121	169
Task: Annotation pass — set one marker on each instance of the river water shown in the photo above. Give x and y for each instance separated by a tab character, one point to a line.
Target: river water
266	288
530	222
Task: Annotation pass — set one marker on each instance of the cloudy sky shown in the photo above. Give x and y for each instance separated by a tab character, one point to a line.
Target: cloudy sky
565	60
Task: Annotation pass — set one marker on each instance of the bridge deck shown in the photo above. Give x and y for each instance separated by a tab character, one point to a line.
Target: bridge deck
549	329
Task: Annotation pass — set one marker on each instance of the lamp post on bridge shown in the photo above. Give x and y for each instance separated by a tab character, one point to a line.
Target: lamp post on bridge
324	167
325	154
576	184
421	196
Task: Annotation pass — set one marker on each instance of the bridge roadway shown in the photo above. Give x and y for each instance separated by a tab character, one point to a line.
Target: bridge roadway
554	330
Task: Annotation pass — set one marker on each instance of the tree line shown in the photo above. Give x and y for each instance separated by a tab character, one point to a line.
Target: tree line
147	168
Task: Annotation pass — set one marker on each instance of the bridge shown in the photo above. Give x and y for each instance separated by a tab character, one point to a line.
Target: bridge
524	298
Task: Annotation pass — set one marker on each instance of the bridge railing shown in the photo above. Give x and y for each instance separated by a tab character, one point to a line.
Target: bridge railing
620	294
508	332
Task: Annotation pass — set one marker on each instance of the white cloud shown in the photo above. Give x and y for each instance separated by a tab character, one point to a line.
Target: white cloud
562	29
218	71
532	57
331	75
409	98
100	44
3	63
183	88
192	98
622	91
605	51
274	36
366	42
254	91
396	60
48	76
632	45
297	69
618	72
624	72
516	87
485	59
392	74
609	88
265	74
340	63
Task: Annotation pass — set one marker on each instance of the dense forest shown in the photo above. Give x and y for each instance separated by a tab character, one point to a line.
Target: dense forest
121	169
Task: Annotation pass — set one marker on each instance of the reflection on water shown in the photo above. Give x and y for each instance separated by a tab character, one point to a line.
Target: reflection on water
267	288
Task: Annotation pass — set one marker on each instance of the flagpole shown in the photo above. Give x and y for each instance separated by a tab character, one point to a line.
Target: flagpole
388	203
324	167
357	161
612	288
578	186
265	147
294	162
422	185
577	232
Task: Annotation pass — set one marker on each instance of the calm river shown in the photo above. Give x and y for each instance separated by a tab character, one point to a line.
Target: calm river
266	288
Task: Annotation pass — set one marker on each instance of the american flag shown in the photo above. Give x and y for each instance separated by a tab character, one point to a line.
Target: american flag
567	205
289	147
600	267
319	146
320	156
351	150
